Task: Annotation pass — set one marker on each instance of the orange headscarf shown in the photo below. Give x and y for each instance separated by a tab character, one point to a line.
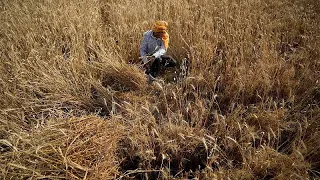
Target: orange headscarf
162	26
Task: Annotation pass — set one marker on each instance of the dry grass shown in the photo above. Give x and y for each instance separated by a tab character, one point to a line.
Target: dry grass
73	104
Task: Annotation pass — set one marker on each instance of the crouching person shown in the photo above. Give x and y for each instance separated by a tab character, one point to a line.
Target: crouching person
153	49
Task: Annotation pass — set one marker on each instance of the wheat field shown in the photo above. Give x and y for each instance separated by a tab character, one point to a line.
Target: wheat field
74	104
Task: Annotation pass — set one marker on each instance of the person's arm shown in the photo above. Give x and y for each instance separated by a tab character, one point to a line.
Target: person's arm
144	46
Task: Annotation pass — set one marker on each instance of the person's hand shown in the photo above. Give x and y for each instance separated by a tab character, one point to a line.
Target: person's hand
152	58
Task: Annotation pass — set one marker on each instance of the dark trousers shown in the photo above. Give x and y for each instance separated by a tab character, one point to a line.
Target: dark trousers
162	61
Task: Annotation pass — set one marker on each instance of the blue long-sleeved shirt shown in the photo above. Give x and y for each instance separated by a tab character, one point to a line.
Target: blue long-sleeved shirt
151	45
